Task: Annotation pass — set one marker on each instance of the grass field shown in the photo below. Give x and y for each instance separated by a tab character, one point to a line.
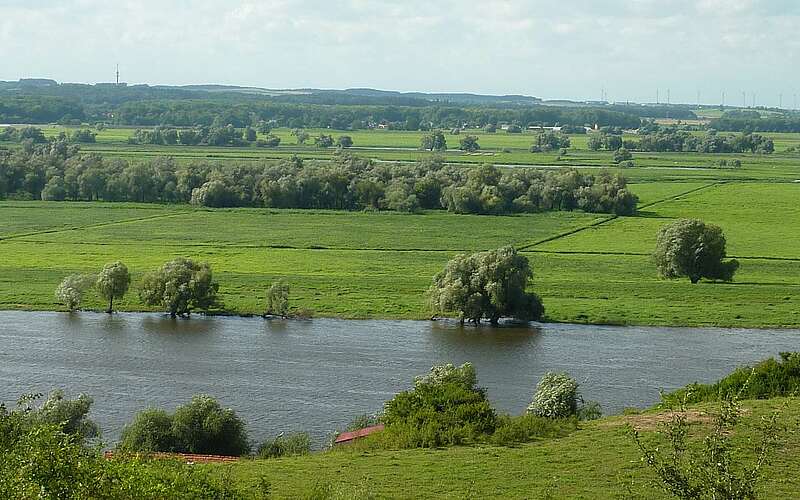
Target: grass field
597	461
588	267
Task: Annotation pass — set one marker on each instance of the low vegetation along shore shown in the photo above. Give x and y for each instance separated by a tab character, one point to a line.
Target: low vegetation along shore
733	438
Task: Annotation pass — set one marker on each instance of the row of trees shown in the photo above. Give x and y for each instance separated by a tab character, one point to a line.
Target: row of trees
674	140
228	135
35	135
179	287
56	171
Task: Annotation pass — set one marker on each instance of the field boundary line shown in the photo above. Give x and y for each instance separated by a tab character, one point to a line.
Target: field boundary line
614	217
90	226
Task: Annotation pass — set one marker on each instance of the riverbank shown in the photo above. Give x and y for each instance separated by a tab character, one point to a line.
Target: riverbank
599	460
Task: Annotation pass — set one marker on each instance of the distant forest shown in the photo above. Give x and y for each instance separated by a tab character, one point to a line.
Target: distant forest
44	101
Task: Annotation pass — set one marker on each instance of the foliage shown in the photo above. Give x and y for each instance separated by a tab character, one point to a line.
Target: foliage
269	141
71	289
621	155
113	282
203	426
278	299
489	285
200	426
770	378
70	416
150	430
550	140
434	141
529	427
690	247
38	459
444	408
324	141
463	375
344	141
56	171
83	135
286	446
469	143
713	468
180	286
556	396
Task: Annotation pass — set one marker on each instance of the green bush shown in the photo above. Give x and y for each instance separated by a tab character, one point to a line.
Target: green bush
444	408
286	446
768	379
151	430
68	415
39	460
201	426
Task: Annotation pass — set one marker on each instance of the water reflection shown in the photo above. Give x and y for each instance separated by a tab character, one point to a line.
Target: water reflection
157	324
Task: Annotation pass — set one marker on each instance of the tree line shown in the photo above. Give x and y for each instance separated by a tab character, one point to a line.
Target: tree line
242	112
57	171
674	140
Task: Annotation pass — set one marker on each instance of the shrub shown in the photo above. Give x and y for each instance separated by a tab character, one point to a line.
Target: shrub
278	298
69	416
556	396
203	426
151	430
71	289
39	460
716	467
286	446
768	379
444	408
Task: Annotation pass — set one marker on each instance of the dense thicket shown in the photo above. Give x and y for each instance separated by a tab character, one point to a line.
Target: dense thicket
753	121
675	140
56	171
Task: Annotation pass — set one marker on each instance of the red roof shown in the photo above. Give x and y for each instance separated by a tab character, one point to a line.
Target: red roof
346	437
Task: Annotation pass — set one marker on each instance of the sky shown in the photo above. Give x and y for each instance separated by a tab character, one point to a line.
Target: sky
579	49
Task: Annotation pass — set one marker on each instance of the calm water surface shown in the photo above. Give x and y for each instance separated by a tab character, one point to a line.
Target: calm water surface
317	375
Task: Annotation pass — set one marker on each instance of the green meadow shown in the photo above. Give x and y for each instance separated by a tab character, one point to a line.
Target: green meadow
589	268
599	460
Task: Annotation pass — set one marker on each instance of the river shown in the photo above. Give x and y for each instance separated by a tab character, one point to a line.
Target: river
317	375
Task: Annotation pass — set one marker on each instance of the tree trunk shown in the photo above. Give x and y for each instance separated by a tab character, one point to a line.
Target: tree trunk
110	305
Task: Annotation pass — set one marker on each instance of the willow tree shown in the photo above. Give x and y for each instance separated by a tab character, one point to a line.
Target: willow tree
487	285
691	248
180	286
113	282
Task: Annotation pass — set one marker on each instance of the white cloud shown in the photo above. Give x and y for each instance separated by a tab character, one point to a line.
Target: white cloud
570	49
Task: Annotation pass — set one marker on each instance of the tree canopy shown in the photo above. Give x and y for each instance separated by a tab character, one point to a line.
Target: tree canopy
113	282
691	248
180	286
488	285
